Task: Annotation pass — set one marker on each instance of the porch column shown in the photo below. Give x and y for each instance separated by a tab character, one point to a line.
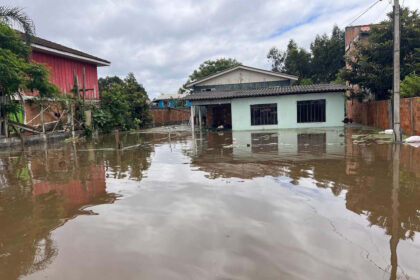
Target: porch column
192	118
199	116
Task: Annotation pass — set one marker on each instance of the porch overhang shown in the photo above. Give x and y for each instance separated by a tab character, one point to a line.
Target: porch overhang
210	102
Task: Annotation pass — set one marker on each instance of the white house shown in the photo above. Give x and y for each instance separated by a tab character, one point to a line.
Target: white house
247	98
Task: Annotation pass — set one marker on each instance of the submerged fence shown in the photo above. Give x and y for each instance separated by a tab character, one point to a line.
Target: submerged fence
379	114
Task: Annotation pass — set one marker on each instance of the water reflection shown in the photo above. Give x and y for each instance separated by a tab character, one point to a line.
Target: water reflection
218	204
43	188
379	182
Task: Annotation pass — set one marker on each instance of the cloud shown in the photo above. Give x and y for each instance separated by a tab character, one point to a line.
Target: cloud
162	42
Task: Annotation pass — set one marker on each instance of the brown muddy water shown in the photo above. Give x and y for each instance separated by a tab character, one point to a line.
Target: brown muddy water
293	204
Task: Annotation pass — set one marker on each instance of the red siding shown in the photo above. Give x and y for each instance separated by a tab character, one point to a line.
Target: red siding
62	68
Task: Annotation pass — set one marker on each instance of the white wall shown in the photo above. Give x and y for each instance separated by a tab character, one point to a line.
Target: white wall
241	76
287	111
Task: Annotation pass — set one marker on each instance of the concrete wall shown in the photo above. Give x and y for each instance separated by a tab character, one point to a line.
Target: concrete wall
241	76
287	111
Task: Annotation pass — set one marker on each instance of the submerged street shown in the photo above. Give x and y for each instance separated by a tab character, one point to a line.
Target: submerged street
300	204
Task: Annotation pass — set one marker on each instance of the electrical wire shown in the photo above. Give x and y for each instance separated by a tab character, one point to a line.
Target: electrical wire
370	7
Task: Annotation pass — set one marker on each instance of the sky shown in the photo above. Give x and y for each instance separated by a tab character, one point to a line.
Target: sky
162	42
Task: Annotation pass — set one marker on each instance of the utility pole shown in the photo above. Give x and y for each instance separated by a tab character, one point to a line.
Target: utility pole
396	88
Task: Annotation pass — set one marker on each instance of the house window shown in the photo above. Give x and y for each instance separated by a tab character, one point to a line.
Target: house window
208	89
263	114
311	111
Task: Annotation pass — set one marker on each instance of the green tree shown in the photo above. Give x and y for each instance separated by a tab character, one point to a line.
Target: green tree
298	61
137	97
371	65
9	15
124	104
327	56
17	73
108	82
277	59
295	61
210	67
320	65
410	86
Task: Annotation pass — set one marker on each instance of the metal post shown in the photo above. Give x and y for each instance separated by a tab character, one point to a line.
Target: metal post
396	89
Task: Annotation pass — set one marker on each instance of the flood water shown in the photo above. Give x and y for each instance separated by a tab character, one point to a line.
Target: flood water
293	204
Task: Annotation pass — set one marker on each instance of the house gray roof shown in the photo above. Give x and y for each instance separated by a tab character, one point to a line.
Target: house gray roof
272	91
244	67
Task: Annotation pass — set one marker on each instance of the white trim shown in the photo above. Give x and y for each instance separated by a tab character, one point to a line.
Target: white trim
281	75
67	54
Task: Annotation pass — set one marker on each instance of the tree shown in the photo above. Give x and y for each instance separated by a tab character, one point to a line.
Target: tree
371	64
9	15
327	56
410	86
124	104
108	82
277	59
295	61
320	65
298	61
17	73
137	97
210	67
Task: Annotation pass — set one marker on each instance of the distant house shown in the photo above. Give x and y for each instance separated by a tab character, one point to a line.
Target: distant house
170	101
62	61
247	98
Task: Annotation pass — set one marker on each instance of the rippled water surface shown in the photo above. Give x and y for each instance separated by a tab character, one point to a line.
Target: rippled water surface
292	204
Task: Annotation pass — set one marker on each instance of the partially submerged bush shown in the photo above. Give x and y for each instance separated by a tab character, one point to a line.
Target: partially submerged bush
124	104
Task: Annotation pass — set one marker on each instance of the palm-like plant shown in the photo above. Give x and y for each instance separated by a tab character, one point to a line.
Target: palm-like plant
10	15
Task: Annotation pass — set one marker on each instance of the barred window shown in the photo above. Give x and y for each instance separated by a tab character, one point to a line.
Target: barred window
263	114
311	111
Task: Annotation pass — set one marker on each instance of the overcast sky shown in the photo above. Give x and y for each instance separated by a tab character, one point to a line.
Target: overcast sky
162	42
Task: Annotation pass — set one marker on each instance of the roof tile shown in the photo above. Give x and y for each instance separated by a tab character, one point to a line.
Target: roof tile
272	91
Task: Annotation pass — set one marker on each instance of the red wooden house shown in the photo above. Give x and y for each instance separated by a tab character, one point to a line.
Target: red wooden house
62	61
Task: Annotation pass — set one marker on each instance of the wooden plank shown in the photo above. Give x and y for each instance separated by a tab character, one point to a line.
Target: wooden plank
24	127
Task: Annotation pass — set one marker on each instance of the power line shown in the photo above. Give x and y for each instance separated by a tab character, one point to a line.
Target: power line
370	7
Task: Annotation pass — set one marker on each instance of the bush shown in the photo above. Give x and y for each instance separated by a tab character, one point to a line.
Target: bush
410	86
124	104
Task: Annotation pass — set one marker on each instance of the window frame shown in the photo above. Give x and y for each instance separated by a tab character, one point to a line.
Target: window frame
254	107
311	111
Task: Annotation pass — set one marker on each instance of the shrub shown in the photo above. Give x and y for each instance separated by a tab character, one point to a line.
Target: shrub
410	86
